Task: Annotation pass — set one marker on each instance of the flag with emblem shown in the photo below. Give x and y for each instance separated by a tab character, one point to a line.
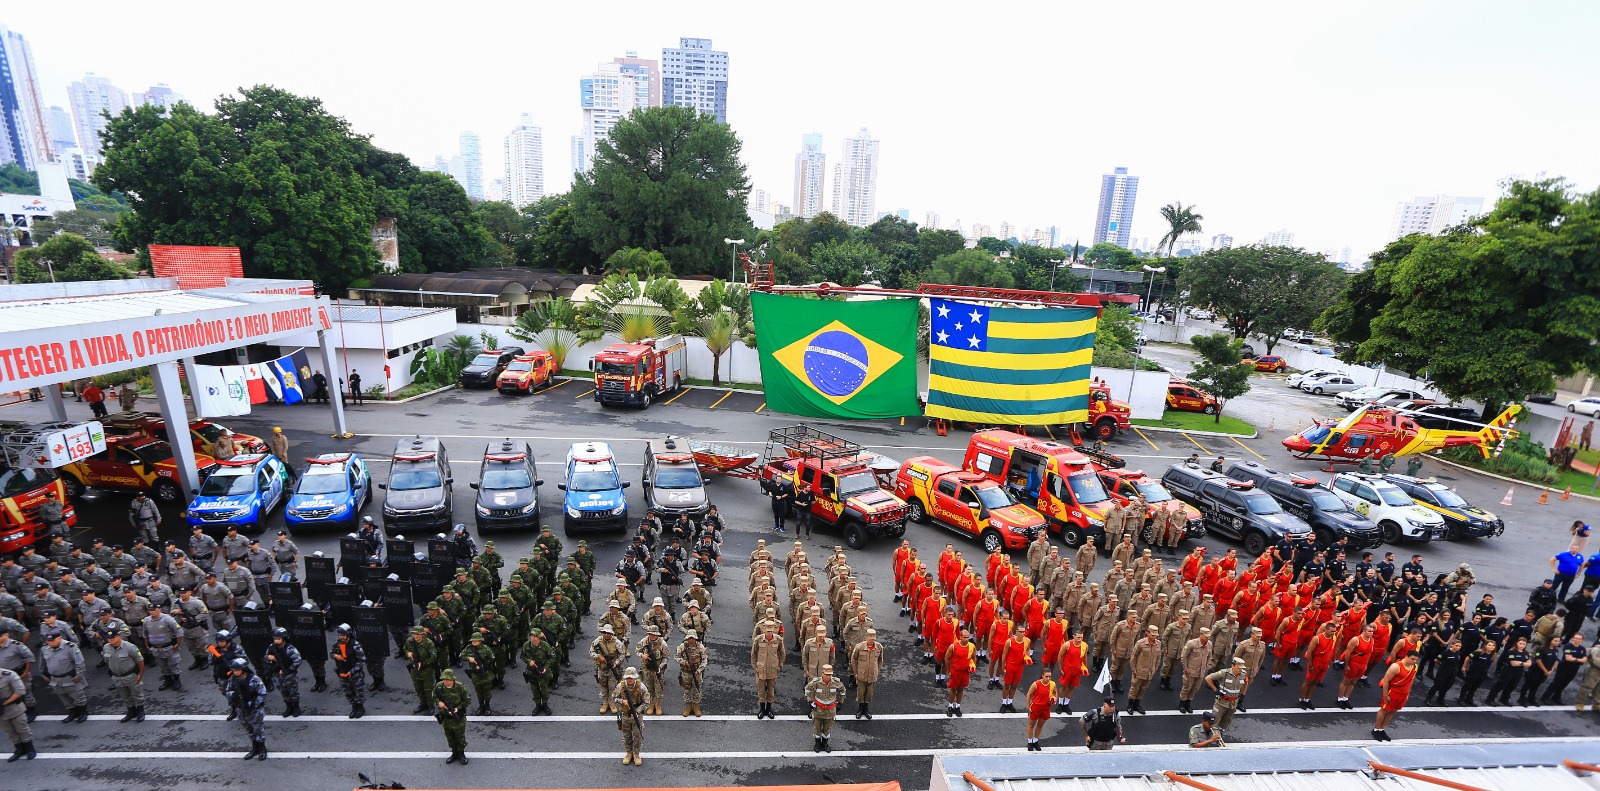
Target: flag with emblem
1009	365
823	358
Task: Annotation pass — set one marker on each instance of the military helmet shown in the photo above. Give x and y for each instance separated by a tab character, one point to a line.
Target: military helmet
343	629
224	635
280	632
238	664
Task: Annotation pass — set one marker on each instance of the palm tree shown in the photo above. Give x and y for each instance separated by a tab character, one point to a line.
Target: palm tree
1181	220
463	348
717	332
638	261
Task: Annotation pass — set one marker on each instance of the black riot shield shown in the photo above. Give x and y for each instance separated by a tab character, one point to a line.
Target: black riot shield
441	551
286	596
372	589
255	633
427	582
372	630
320	576
399	552
398	602
352	558
308	630
344	598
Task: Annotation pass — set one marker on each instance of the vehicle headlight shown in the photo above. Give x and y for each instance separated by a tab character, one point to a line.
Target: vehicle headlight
1416	522
529	508
436	509
339	509
1097	522
572	512
192	514
17	536
388	511
619	509
482	511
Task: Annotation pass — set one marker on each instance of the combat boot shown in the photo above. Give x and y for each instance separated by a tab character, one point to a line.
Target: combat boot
138	714
129	716
177	682
294	709
72	716
358	711
1166	682
627	758
861	710
261	756
166	684
255	750
233	713
421	708
321	685
816	744
866	708
826	747
199	662
638	760
462	757
1116	686
687	709
697	710
17	752
455	755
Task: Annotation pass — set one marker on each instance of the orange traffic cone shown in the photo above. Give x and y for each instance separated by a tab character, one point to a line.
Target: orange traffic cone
1509	493
1567	495
1544	497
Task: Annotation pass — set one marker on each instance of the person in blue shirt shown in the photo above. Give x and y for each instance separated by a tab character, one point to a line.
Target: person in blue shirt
1565	566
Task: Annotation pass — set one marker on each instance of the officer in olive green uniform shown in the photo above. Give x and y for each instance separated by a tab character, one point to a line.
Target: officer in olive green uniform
824	692
480	662
539	668
450	708
422	662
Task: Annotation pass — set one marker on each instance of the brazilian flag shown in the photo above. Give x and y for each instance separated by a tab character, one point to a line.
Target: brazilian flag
838	359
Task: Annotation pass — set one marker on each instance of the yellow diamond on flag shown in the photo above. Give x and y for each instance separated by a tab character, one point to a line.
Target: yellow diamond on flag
836	361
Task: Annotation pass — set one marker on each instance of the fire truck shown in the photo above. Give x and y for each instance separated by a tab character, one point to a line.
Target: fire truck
22	491
1107	416
1125	485
1060	481
843	477
638	373
967	502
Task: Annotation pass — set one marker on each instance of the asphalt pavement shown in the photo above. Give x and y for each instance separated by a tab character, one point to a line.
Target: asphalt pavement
187	744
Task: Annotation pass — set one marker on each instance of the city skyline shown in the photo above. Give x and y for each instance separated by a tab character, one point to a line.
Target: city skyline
1359	63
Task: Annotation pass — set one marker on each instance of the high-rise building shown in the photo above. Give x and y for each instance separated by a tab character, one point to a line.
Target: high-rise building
647	74
25	137
759	200
605	97
1114	221
471	175
497	189
160	95
979	231
524	163
1007	230
1282	237
59	122
855	185
1433	213
808	165
930	222
695	75
1221	241
91	98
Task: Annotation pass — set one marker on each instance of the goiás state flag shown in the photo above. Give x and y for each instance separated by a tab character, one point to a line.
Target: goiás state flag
825	358
1009	365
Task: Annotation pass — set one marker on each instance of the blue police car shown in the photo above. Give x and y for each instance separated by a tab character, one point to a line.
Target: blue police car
594	498
240	493
332	490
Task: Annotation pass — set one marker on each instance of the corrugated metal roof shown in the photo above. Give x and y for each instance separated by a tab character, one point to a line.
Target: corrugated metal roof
75	311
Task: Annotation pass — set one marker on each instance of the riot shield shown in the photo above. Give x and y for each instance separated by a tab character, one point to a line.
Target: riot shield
320	576
372	588
353	558
399	551
427	582
344	598
286	596
397	601
441	551
255	632
308	630
372	630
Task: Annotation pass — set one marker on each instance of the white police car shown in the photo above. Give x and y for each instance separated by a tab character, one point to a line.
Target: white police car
240	493
332	490
594	498
1387	504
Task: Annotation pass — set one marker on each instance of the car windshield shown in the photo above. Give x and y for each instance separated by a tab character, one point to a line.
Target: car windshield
1086	488
675	476
616	369
506	475
856	483
485	360
208	431
593	477
222	484
322	479
1446	498
1262	504
520	365
1153	491
1324	500
407	476
1392	495
154	454
995	497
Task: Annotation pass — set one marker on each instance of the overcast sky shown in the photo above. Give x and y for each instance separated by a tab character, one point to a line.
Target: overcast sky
1315	117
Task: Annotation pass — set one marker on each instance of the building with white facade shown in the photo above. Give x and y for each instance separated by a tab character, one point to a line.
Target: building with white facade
1282	237
524	163
695	75
25	137
1007	230
855	187
759	201
160	95
604	97
1114	221
90	97
979	230
1431	214
647	76
930	221
1221	241
808	175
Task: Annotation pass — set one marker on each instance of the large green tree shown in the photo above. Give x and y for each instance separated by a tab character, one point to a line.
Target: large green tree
969	268
1219	372
667	179
1262	289
64	257
845	263
1106	255
510	229
1494	311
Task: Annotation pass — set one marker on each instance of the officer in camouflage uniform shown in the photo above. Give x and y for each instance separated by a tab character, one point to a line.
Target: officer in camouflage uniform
694	619
450	701
607	653
824	693
439	629
495	638
248	695
652	652
350	662
556	630
569	609
539	668
492	562
631	701
616	619
422	662
692	658
281	666
455	611
480	662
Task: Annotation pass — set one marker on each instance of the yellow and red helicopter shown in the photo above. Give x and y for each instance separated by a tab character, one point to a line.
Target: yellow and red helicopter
1374	432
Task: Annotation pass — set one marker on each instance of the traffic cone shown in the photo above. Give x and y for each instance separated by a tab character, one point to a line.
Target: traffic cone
1544	497
1509	493
1567	495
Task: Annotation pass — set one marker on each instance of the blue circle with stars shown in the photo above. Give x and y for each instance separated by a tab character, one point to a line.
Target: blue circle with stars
836	363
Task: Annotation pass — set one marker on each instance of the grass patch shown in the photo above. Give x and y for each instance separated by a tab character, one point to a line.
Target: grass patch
1197	421
414	389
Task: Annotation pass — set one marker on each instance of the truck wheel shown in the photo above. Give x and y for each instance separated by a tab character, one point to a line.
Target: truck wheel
1255	544
1072	536
915	512
1391	532
73	486
855	536
1105	430
644	400
1211	409
167	491
992	542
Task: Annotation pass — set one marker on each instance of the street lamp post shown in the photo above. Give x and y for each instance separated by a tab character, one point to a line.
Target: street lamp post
1153	270
1054	265
733	259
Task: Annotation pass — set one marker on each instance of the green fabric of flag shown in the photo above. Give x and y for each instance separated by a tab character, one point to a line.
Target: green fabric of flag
821	358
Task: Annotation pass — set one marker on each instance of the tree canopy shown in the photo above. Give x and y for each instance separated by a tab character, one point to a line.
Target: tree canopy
973	267
1106	255
1181	220
69	257
1263	289
1495	310
1219	372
